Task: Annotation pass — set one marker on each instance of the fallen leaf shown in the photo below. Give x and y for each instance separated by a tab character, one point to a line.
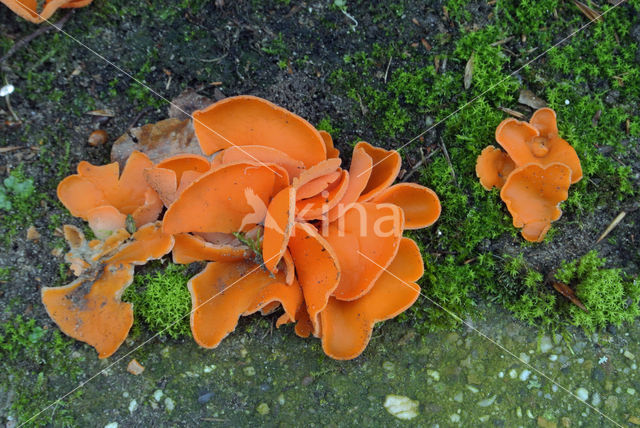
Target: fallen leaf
567	292
511	112
186	103
468	72
104	112
590	13
33	234
157	140
530	99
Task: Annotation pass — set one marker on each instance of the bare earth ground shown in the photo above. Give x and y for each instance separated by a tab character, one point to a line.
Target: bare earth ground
290	54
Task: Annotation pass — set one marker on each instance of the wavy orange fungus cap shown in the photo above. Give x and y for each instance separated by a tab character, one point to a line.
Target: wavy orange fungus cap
538	142
29	10
279	220
534	174
103	197
532	194
493	167
89	309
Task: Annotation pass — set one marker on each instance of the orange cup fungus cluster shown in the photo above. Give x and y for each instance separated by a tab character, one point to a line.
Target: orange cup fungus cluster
40	11
278	220
534	174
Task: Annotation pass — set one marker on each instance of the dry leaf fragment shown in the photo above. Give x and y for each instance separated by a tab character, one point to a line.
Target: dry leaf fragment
590	13
33	234
103	112
134	367
567	292
528	98
468	72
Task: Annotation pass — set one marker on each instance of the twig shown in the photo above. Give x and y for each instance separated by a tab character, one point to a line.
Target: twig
446	155
616	221
138	116
27	39
419	163
386	73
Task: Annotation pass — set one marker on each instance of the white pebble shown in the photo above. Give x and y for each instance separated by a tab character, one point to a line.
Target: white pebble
582	394
133	405
525	375
158	394
455	418
545	344
401	407
501	375
111	425
595	400
566	102
487	401
513	373
629	355
434	374
169	404
6	90
524	357
553	357
631	391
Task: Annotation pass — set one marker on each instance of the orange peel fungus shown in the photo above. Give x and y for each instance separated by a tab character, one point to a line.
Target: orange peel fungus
279	221
534	171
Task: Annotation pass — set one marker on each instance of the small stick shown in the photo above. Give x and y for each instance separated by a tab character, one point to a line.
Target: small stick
616	221
40	31
419	163
386	73
446	155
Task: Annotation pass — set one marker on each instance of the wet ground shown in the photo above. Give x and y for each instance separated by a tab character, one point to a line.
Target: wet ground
491	371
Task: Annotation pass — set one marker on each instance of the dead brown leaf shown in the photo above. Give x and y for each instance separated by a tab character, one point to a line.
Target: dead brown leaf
567	292
528	98
590	13
159	140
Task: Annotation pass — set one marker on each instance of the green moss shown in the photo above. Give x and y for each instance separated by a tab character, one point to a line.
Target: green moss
42	358
326	125
19	203
162	300
607	295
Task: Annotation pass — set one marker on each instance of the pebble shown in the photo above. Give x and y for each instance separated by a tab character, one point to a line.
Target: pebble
249	371
545	423
111	425
525	375
631	391
133	405
169	404
263	409
524	357
458	397
473	389
629	355
157	395
582	394
455	418
434	374
513	373
545	344
205	398
487	401
401	407
595	399
553	357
